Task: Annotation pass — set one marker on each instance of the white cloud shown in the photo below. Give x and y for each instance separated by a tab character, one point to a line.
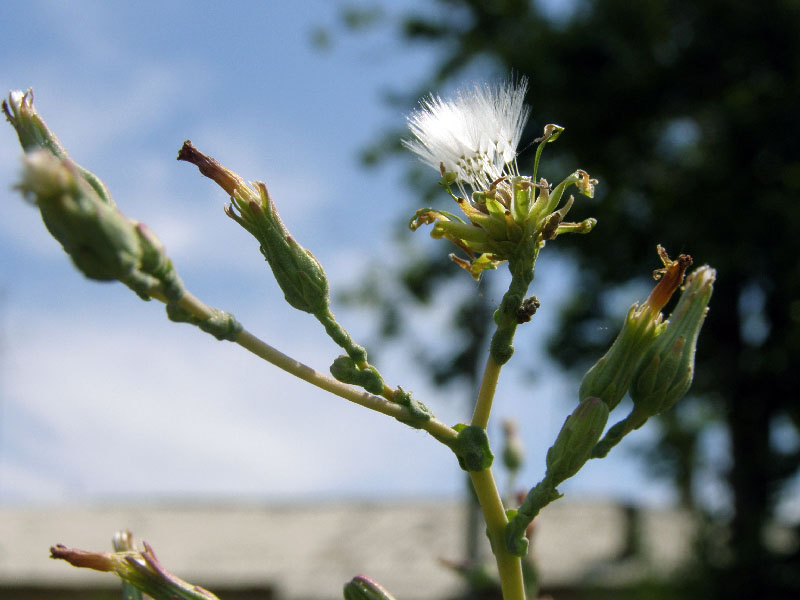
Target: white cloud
145	408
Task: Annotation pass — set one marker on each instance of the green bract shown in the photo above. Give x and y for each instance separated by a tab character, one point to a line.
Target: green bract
511	213
665	373
298	273
611	376
575	441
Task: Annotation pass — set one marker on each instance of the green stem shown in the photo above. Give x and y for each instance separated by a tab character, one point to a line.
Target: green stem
483	405
509	566
438	430
521	267
542	494
618	431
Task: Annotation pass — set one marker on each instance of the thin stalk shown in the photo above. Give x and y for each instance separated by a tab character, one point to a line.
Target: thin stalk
248	341
501	348
438	430
509	567
483	405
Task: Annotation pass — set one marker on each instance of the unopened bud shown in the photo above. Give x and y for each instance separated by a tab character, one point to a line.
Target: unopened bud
103	243
575	441
611	376
362	587
34	134
419	411
665	373
345	370
298	273
513	451
471	448
31	129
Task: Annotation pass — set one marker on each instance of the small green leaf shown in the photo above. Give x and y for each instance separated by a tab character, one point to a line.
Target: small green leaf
471	447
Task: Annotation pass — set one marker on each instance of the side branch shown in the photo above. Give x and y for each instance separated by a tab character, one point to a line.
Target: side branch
440	431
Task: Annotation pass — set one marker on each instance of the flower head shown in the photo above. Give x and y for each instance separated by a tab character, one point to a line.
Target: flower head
298	273
475	135
472	140
142	570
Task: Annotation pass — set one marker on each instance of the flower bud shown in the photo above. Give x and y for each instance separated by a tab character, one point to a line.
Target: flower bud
345	370
298	273
34	134
665	373
575	441
610	377
362	587
513	451
140	569
419	411
103	243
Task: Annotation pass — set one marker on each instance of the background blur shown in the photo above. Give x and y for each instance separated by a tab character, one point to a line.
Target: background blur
685	112
88	367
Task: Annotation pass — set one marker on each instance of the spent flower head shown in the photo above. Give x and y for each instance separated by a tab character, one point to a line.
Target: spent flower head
610	377
141	569
475	135
296	270
472	140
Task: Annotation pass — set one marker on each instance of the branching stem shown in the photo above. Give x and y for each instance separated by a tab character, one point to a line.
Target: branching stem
509	567
438	430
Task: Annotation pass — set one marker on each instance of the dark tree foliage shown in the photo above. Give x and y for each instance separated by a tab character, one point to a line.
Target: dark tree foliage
688	112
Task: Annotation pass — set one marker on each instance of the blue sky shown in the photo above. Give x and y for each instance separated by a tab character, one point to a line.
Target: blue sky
100	396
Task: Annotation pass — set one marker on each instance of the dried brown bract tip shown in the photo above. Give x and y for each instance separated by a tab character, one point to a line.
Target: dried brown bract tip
98	561
211	168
